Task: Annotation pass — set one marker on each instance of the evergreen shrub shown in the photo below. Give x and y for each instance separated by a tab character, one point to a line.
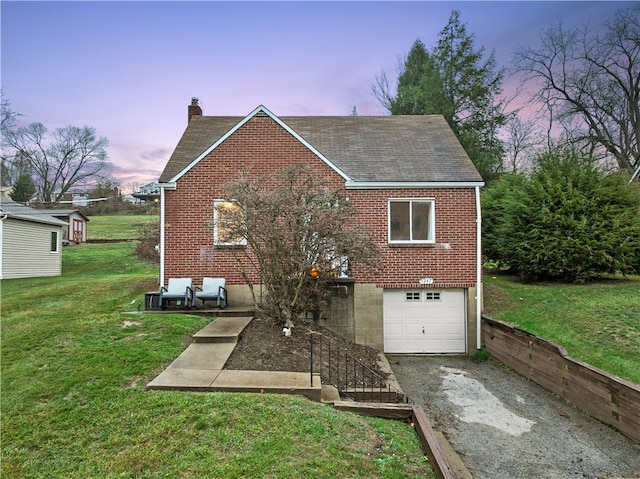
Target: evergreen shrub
569	220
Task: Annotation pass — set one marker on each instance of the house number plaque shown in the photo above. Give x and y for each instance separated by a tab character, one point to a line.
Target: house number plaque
426	280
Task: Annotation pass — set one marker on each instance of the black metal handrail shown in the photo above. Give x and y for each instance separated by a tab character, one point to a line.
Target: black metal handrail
347	374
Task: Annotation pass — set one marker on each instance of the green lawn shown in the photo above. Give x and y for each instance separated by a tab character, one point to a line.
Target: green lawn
598	323
118	227
74	366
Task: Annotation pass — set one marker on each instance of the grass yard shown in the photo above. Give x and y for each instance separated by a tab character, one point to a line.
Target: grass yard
598	323
117	227
74	404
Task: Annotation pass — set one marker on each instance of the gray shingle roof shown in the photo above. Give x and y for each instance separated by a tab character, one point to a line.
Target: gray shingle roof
23	212
365	148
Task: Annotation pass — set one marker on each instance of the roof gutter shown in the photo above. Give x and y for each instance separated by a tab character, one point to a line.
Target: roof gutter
372	185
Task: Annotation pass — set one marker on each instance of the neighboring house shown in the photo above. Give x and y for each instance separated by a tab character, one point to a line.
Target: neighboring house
397	171
148	192
30	242
76	197
76	230
82	197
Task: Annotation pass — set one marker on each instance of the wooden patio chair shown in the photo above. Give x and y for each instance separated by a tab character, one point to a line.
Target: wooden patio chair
178	290
213	289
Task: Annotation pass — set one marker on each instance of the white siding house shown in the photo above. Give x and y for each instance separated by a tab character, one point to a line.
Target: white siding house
30	242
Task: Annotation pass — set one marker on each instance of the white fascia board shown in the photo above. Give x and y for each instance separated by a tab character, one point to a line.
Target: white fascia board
381	185
167	186
266	111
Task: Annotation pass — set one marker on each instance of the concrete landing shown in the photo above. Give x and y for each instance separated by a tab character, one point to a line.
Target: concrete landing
223	330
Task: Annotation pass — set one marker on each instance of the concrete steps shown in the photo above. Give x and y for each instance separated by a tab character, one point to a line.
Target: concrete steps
225	329
200	367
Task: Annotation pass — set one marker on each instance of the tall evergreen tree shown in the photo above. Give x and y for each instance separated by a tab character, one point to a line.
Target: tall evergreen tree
419	85
471	86
455	81
23	189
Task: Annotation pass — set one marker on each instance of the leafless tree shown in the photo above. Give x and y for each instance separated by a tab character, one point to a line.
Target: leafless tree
594	78
8	116
10	170
73	156
522	140
300	233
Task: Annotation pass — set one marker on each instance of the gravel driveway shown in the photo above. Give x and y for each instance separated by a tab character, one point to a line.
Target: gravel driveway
506	427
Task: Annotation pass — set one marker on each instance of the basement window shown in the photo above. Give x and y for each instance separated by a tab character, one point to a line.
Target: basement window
411	221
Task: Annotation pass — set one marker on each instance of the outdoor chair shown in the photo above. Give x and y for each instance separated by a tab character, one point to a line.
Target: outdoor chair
213	289
178	289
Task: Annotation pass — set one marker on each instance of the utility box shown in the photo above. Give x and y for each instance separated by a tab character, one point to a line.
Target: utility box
152	301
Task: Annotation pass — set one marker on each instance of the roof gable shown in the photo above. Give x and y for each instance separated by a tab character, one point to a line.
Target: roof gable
196	136
365	151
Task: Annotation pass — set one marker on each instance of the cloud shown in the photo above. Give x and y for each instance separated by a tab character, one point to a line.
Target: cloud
157	154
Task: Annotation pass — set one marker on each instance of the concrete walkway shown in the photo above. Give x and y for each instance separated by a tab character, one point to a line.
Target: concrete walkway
200	367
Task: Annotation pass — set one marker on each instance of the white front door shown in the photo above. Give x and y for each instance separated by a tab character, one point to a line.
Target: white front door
424	321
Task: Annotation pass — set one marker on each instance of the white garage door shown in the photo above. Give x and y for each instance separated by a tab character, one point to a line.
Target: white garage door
424	321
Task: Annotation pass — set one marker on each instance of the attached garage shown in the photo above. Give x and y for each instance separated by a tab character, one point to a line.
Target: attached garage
424	321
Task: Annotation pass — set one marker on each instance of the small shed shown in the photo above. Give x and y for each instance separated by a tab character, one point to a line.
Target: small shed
30	242
76	230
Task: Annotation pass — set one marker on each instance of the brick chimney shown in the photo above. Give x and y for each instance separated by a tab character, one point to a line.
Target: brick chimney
194	108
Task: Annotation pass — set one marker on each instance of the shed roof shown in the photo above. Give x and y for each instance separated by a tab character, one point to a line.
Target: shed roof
19	211
376	149
65	212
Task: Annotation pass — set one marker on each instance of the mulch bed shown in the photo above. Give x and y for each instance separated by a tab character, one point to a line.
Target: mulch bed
262	346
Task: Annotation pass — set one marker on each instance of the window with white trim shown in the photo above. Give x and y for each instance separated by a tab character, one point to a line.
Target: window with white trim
411	221
55	242
432	295
228	219
412	296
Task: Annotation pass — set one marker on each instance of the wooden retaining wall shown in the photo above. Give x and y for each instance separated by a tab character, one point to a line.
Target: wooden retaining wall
428	438
606	397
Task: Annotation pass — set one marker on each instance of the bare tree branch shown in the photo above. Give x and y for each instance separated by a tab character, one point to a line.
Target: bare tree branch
293	224
593	78
73	156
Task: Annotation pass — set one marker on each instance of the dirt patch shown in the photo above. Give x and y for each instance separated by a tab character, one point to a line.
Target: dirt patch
133	382
128	324
263	346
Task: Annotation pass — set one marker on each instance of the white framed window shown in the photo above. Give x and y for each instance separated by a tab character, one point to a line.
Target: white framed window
412	221
412	296
226	219
432	296
55	241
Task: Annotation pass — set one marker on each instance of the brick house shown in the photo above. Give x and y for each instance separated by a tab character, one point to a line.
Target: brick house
412	185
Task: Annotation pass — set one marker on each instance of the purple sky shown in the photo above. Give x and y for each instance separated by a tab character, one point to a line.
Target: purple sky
129	69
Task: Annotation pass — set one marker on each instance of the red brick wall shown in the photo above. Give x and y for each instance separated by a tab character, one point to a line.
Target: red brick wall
402	266
265	147
261	145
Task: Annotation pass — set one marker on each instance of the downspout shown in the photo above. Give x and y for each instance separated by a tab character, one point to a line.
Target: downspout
161	279
478	270
163	187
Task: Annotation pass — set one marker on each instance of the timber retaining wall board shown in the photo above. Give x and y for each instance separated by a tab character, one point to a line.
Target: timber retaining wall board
606	397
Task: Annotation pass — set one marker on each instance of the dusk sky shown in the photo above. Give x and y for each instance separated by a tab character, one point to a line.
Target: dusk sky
129	69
